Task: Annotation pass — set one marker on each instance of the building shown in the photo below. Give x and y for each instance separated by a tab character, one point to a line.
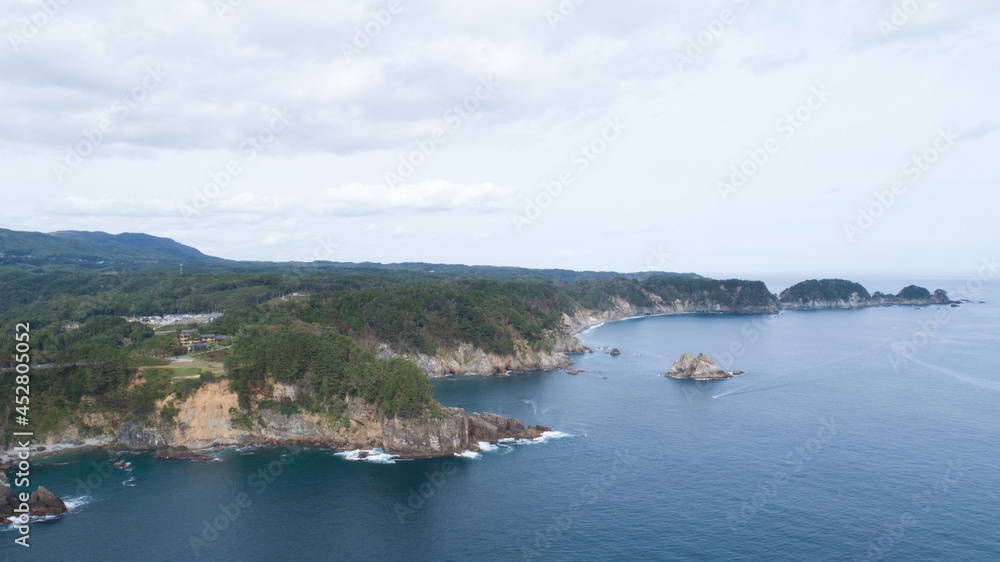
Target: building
189	338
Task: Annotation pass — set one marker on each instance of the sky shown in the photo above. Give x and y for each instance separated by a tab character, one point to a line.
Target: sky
728	137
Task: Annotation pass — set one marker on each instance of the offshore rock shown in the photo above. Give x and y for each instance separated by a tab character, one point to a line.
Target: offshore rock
702	367
44	502
180	453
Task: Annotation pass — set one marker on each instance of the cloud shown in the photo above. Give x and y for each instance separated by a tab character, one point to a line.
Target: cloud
423	197
107	206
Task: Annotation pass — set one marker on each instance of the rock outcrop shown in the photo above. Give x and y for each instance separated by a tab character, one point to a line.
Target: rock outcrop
466	359
8	500
180	453
433	437
44	502
455	433
699	368
492	428
136	437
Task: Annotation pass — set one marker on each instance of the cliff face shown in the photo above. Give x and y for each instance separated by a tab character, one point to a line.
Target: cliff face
622	309
854	301
210	418
428	438
469	360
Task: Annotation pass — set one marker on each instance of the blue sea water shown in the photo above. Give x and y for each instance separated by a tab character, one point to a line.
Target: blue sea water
853	435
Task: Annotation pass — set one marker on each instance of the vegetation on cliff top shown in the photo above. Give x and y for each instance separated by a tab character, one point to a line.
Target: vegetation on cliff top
828	290
328	367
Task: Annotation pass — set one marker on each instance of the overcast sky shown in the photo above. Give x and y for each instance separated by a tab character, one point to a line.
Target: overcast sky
730	137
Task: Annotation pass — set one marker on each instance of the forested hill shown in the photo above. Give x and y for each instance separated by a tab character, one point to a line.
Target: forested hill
410	312
38	252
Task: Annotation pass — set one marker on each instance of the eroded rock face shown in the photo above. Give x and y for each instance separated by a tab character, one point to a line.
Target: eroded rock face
428	438
133	436
8	500
702	367
44	502
469	360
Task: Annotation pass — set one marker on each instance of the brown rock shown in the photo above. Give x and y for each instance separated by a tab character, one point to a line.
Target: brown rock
44	502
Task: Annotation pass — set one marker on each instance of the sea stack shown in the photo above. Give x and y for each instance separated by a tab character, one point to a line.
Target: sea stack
44	502
701	368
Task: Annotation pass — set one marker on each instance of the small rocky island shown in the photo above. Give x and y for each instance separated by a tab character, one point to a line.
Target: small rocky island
701	368
41	502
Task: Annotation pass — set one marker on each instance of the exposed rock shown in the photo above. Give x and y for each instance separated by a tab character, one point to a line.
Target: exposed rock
432	437
702	367
44	502
179	453
8	500
483	430
614	351
133	436
469	360
738	372
572	372
566	343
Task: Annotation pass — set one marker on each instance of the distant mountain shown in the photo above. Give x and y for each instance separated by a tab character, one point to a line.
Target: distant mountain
37	251
76	250
489	271
144	243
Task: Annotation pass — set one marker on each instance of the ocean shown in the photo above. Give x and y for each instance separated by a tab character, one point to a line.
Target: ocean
852	435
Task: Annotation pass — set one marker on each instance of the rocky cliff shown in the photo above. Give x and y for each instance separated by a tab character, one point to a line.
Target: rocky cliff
621	309
211	418
468	360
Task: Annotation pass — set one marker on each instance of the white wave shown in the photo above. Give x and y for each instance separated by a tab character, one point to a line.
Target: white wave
592	328
130	482
73	505
545	438
468	455
376	455
487	447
